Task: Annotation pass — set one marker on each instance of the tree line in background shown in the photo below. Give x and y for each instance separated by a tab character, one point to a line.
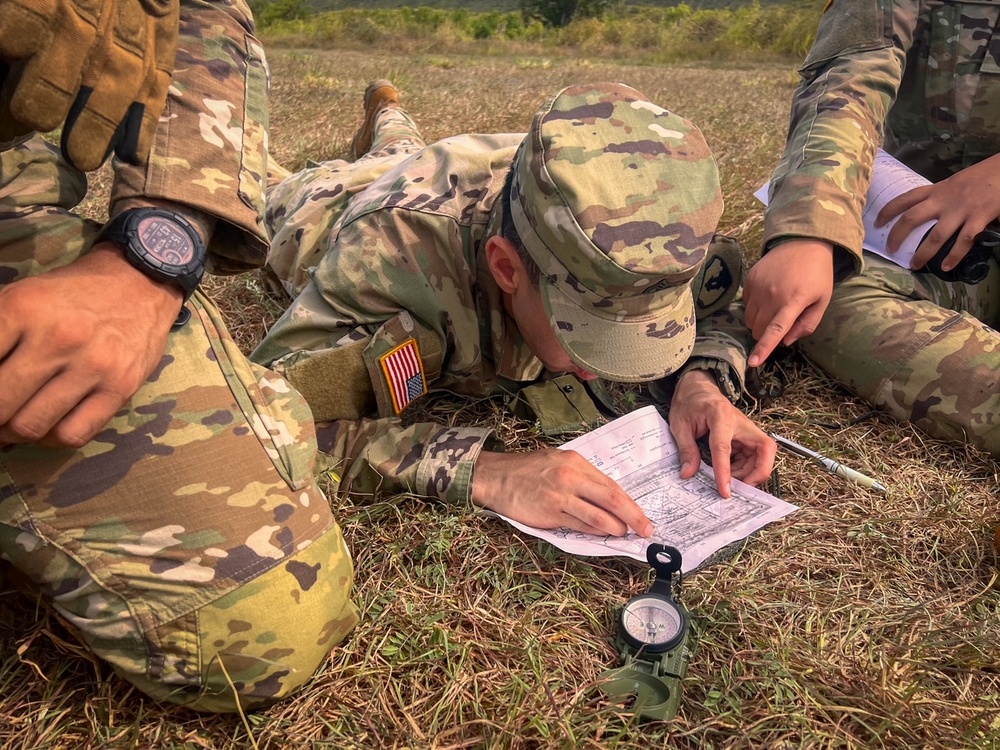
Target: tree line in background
637	32
549	12
561	12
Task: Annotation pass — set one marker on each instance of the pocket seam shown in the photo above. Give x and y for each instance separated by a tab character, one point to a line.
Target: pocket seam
256	67
252	398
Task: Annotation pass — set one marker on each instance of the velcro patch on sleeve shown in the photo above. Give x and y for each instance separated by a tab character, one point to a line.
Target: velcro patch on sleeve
404	374
335	383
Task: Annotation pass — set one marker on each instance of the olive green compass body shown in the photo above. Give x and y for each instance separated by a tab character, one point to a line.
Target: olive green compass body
652	637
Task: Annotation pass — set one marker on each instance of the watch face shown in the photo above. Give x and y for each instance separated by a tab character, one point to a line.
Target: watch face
651	620
165	241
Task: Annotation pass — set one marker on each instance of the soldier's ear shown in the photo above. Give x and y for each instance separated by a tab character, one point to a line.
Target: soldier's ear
505	264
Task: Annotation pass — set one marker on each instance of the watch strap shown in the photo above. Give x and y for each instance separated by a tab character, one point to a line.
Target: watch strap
182	317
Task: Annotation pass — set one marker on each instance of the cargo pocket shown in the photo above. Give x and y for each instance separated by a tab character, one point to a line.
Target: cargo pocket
276	412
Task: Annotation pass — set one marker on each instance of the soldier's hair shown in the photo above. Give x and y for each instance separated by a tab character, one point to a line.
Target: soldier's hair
509	232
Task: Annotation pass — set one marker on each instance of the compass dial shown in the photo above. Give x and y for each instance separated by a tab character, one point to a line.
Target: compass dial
651	620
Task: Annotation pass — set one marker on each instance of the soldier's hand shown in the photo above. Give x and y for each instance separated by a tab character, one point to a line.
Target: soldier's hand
553	488
786	293
739	448
102	69
964	203
75	344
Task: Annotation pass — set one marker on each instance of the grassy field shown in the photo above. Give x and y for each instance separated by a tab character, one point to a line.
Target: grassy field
860	621
644	35
319	6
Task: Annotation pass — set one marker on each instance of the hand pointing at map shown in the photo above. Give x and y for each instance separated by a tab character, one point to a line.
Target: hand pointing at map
638	453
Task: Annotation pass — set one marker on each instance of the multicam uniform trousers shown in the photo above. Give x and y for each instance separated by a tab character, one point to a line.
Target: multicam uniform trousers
924	349
188	543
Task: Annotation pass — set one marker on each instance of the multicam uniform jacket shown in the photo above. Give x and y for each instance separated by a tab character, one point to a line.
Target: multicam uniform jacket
921	75
920	78
401	302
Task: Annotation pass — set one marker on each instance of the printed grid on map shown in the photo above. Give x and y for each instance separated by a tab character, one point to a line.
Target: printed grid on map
684	514
639	453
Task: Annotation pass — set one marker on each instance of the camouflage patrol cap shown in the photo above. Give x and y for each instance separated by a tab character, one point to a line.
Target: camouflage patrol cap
616	199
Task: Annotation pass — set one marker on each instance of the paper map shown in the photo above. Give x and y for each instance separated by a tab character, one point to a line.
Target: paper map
638	452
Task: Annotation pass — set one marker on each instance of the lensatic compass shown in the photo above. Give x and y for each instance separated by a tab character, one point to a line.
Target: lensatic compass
652	637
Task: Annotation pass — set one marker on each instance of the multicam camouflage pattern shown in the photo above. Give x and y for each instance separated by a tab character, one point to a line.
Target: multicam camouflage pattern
188	542
911	343
941	116
396	247
923	349
210	151
304	214
617	200
401	258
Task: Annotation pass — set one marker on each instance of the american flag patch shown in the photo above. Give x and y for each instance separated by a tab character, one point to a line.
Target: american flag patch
404	374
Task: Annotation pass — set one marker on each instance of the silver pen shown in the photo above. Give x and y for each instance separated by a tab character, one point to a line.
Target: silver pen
834	467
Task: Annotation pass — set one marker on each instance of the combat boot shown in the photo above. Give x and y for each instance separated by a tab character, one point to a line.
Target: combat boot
720	277
379	95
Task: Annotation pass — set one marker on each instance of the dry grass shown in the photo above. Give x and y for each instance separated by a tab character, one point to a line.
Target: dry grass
860	621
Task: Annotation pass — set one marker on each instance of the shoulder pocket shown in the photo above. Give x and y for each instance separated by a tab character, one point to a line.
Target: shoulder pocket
404	358
849	26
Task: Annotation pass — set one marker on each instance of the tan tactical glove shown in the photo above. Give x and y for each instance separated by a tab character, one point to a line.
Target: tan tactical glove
101	67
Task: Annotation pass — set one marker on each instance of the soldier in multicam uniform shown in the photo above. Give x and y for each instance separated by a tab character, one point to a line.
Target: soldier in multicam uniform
924	79
476	264
155	487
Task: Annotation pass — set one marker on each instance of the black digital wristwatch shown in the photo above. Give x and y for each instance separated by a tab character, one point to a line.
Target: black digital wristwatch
163	245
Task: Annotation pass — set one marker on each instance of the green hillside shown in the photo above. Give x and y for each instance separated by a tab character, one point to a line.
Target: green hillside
508	5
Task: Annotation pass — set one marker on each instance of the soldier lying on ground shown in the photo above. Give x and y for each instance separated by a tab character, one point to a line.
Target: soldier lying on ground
925	79
155	487
480	263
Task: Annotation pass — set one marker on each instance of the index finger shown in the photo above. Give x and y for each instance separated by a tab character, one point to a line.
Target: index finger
605	493
773	335
721	444
900	203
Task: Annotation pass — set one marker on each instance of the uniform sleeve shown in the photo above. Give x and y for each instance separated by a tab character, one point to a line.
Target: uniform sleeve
722	346
849	81
331	345
328	357
426	459
209	154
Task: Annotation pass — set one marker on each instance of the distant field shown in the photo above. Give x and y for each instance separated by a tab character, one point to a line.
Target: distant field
505	5
747	34
860	621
